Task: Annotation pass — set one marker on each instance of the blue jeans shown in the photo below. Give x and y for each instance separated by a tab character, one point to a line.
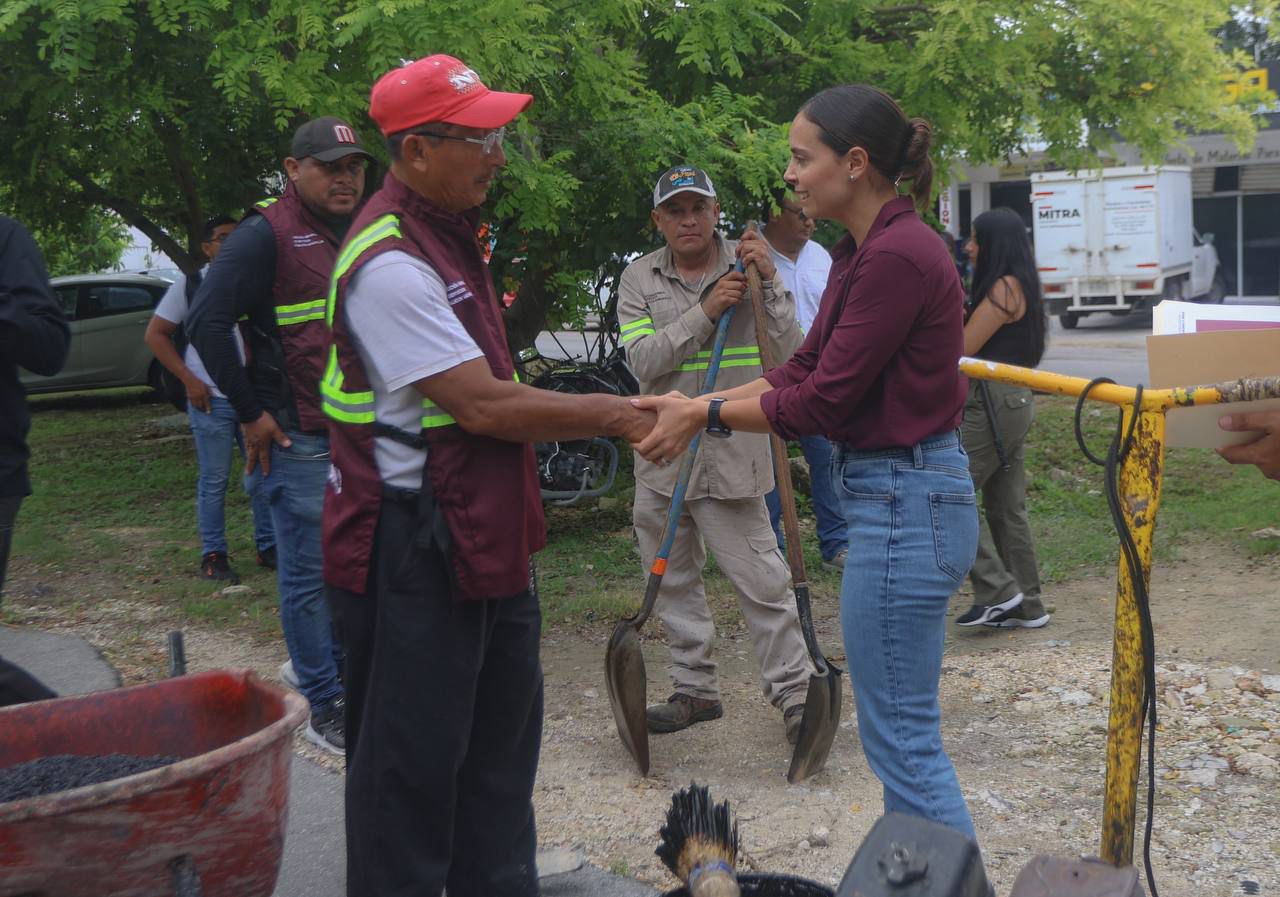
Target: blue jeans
832	531
913	517
215	434
295	488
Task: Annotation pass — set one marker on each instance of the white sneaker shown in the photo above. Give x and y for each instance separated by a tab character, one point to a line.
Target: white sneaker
981	614
288	676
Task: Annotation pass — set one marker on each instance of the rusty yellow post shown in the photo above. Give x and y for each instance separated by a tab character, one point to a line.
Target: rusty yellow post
1140	478
1139	485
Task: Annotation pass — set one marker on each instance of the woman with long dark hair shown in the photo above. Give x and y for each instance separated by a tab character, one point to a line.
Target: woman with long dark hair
1004	321
877	374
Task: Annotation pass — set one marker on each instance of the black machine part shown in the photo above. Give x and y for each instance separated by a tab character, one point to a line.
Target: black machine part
906	856
1047	876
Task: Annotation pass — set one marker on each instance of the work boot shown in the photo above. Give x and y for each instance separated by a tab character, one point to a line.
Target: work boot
680	712
1030	613
791	718
214	568
981	613
267	557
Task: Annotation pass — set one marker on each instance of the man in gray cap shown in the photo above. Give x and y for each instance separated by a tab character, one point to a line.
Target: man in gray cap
274	271
669	305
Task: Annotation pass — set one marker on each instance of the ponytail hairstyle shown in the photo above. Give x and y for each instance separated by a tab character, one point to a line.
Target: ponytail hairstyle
860	115
1004	250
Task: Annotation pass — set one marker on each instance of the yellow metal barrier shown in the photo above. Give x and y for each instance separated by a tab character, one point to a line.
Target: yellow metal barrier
1139	487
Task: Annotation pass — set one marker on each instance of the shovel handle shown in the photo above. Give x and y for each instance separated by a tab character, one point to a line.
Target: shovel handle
659	567
782	474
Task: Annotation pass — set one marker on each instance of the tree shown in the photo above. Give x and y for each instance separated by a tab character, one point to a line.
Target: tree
77	242
1250	30
170	110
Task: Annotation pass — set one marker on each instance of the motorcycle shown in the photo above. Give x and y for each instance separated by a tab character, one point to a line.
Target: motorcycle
572	470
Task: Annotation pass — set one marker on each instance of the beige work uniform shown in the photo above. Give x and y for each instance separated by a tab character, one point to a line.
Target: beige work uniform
668	340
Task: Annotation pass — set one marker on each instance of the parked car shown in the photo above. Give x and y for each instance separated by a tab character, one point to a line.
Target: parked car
108	314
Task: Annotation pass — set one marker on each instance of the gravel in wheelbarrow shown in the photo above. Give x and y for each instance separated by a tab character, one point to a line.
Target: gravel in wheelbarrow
211	823
49	775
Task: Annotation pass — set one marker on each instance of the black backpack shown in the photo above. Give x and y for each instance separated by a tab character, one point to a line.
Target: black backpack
174	390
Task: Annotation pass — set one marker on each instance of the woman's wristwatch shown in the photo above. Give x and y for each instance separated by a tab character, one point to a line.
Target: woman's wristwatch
714	425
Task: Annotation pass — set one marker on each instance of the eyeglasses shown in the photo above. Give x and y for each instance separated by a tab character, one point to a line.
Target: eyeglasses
488	143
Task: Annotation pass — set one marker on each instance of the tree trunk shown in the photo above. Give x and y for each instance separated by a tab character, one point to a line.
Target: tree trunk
527	316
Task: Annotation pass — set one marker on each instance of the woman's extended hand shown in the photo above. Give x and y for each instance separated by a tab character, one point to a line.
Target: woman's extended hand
679	420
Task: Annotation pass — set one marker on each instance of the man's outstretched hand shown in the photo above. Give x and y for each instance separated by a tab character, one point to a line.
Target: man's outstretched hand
1263	452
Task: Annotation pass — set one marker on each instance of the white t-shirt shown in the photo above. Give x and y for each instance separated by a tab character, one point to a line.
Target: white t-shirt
397	305
173	308
805	278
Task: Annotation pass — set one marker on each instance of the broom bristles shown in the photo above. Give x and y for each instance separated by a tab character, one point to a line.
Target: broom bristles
697	833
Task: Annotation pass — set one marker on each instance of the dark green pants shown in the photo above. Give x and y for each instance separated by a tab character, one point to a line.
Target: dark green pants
1006	562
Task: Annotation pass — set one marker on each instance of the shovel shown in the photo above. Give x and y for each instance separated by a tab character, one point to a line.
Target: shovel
624	671
821	717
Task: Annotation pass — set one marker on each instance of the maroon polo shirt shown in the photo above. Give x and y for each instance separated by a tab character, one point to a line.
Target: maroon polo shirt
878	368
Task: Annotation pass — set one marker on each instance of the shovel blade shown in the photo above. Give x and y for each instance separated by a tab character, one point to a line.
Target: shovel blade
818	726
624	674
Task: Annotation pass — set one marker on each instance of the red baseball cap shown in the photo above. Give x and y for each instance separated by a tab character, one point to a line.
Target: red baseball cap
440	89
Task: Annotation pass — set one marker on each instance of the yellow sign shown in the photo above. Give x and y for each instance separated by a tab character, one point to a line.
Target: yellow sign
1251	80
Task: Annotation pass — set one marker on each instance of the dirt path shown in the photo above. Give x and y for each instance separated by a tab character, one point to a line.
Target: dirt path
1024	720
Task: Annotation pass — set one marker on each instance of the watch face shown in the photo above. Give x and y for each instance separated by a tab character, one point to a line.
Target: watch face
720	432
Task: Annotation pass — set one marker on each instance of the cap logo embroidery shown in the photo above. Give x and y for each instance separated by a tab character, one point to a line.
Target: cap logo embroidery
683	178
464	79
343	134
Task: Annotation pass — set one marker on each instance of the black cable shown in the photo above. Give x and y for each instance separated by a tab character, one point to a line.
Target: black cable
1116	453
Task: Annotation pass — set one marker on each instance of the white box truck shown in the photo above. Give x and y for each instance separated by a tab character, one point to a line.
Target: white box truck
1116	239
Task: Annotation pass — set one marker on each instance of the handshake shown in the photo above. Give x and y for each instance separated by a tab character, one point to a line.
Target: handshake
660	428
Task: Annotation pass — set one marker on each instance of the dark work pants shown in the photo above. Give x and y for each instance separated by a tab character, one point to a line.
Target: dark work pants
443	726
16	685
9	505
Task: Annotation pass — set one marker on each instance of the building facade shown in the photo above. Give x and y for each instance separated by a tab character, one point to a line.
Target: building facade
1236	195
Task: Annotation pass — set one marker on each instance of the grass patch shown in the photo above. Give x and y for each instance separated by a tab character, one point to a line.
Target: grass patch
1203	498
114	513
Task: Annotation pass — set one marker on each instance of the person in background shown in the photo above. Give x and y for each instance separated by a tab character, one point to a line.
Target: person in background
1264	451
803	266
669	307
214	424
1006	323
33	335
274	270
879	374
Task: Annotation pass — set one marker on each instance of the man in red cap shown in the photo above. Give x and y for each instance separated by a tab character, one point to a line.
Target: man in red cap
433	510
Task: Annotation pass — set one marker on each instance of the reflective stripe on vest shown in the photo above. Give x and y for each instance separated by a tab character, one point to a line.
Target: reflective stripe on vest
358	407
637	328
311	310
739	357
266	202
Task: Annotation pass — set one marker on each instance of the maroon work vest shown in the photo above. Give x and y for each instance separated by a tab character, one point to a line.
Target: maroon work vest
306	250
486	488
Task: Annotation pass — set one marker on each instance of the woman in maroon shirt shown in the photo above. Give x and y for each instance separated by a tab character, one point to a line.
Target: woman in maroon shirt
877	375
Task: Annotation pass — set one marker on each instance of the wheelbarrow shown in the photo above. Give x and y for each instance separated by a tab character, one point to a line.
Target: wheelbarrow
211	824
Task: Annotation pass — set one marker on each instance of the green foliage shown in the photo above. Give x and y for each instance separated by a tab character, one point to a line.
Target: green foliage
81	241
170	111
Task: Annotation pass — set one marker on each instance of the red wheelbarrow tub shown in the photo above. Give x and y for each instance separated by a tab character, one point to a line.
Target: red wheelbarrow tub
219	811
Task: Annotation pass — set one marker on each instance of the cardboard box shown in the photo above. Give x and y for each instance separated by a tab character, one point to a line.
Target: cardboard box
1210	356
